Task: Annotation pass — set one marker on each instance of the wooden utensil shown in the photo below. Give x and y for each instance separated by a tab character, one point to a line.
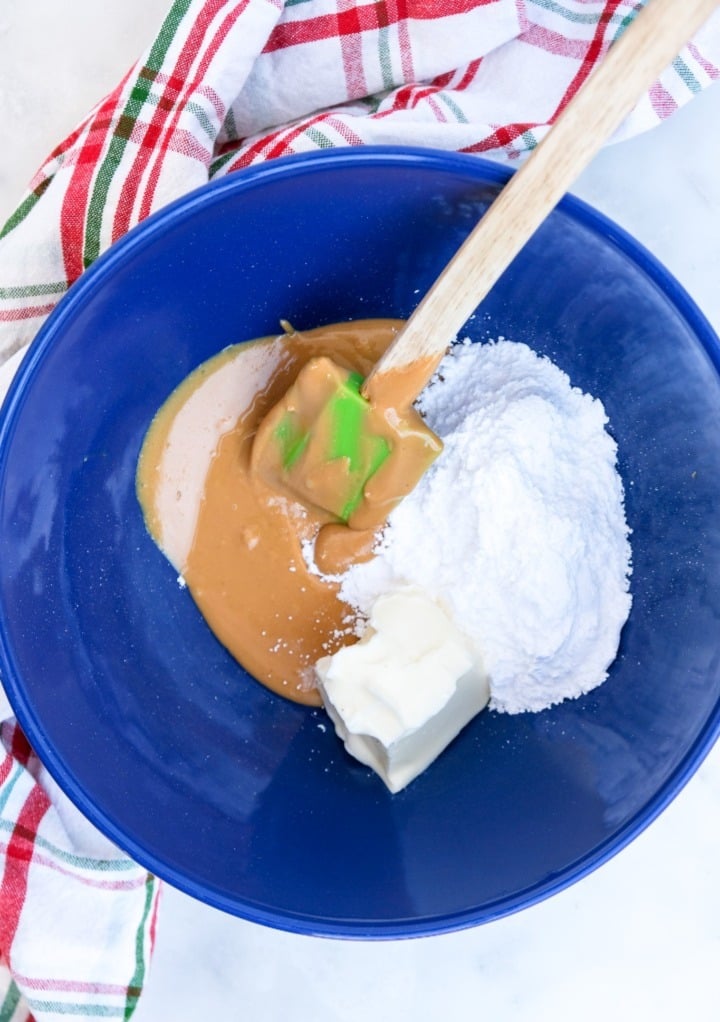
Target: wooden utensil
599	106
354	448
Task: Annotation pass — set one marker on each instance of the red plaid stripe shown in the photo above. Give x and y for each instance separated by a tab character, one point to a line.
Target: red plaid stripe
155	135
594	51
75	199
353	19
18	856
710	70
209	51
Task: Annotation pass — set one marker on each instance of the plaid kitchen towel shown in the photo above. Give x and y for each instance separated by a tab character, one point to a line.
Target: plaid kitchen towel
224	85
77	918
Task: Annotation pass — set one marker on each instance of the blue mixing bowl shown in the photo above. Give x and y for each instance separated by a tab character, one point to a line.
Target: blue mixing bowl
239	797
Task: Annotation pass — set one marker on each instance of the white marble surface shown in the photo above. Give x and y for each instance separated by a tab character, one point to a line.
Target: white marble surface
638	939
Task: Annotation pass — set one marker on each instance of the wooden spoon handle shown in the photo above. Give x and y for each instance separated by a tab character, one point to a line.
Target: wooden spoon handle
632	64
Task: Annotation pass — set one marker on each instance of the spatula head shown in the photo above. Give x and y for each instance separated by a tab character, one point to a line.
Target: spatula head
327	447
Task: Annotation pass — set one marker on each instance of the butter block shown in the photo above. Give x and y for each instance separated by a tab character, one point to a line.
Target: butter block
400	695
326	446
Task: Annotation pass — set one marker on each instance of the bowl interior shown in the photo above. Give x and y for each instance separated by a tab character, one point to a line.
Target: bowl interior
233	794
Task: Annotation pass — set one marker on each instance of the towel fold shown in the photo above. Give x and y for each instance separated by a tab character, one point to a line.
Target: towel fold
77	917
225	85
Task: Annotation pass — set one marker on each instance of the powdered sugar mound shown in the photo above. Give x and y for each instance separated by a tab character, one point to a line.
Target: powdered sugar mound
518	528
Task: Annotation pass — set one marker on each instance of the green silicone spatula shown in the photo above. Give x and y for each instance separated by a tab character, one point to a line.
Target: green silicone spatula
353	447
332	448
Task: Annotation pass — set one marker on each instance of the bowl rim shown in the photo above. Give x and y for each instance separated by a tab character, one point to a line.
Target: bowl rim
92	279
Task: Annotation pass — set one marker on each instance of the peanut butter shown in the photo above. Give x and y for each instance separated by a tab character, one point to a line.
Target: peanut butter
245	566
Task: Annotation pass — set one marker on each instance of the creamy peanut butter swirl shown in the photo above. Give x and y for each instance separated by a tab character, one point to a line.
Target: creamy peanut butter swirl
237	541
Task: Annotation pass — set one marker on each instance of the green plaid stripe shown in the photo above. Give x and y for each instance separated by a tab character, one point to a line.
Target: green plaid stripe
446	100
582	18
25	207
154	99
231	128
129	116
7	788
385	58
79	861
136	984
686	75
221	161
10	1004
33	290
318	138
77	1009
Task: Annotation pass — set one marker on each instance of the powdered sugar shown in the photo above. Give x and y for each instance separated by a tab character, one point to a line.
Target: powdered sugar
518	529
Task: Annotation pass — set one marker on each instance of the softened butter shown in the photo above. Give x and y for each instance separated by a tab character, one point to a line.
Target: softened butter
401	694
